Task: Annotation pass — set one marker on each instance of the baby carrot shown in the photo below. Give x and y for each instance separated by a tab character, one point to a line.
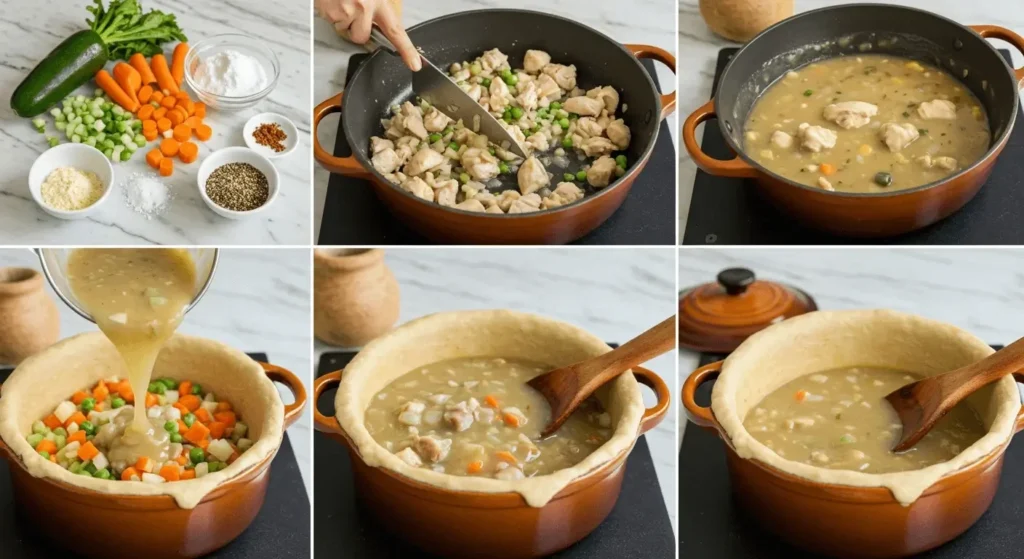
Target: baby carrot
154	157
178	63
138	61
129	80
188	152
109	86
204	132
163	73
166	167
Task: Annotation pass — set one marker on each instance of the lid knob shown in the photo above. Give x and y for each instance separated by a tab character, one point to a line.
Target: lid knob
735	280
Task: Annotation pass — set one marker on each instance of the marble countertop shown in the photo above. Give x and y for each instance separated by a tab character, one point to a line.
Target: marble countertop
34	28
647	21
614	293
258	302
699	47
977	289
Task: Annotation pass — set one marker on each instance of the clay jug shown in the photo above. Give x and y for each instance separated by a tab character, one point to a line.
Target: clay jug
355	296
741	20
28	316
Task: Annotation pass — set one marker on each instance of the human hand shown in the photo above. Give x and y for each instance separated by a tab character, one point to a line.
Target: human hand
358	17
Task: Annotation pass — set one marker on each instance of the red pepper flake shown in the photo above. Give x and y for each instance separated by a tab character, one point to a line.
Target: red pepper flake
270	135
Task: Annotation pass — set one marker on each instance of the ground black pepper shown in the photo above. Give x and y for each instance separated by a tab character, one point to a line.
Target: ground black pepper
270	135
238	186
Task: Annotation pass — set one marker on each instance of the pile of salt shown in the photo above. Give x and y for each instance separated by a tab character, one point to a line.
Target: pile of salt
146	194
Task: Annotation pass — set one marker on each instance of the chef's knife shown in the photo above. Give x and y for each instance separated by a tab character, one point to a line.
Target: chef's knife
436	88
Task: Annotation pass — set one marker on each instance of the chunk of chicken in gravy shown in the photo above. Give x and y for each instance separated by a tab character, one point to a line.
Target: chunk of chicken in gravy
868	123
839	419
477	417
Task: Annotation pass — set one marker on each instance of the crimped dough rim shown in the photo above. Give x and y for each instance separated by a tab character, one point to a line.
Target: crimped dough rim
824	340
482	333
45	379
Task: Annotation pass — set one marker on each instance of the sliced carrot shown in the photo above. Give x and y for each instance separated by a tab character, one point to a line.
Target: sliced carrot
217	429
196	433
77	397
52	422
511	420
226	417
170	472
203	132
149	124
151	399
193	122
474	467
177	405
138	61
181	459
145	94
178	63
200	109
46	445
182	96
188	106
163	125
827	169
169	147
163	74
128	473
157	96
190	401
159	113
169	102
145	111
491	401
800	395
150	134
185	387
79	436
154	157
203	415
176	120
182	133
77	418
100	392
88	451
203	444
188	152
182	427
98	406
506	456
188	474
144	464
167	167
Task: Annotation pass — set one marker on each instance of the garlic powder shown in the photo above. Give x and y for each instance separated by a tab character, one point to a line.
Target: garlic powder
69	189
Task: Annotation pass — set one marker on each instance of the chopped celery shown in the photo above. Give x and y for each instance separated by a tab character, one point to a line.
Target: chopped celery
40	428
52	140
108	152
39	124
90	141
99	126
62	126
126	155
140	140
34	439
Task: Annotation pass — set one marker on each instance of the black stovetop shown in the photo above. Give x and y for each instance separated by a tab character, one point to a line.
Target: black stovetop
727	211
354	216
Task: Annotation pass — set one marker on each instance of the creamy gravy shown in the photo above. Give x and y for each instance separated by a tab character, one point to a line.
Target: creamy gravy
137	298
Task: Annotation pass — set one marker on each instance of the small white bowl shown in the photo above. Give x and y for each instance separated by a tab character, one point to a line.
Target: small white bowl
244	44
238	155
287	126
79	156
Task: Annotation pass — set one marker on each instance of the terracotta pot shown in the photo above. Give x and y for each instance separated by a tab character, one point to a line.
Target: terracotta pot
147	525
741	20
29	321
499	524
383	80
355	296
882	214
844	520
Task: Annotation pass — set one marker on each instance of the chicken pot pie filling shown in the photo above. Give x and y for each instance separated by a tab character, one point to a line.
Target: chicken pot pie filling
867	123
477	417
840	419
558	124
826	342
466	335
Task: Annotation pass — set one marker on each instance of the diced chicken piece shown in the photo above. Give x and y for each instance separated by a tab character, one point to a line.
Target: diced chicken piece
539	141
408	109
850	114
485	415
510	473
584	106
378	145
547	87
493	209
424	160
939	108
410	413
535	61
525	204
493	59
563	194
825	185
619	134
386	161
606	95
507	198
410	457
500	96
471	205
816	138
532	451
435	120
596	147
447	194
413	124
419	187
475	91
529	96
532	176
781	139
564	76
589	127
942	162
898	136
459	419
432	449
480	164
600	173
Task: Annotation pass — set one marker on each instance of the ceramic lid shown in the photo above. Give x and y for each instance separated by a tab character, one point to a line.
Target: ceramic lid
717	317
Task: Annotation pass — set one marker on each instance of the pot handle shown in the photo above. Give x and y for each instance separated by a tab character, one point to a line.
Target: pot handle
696	413
1002	33
284	376
653	416
326	424
1019	377
668	100
347	166
735	167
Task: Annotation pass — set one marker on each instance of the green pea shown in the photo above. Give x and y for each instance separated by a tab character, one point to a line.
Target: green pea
88	404
883	178
503	167
117	403
44	454
567	142
103	474
808	93
581	176
453	146
573	116
505	73
175	437
486	82
491	151
90	468
561	113
555	105
542	112
188	419
517	113
512	80
569	177
157	388
88	427
83	472
447	131
213	466
507	117
464	178
564	123
435	137
170	383
621	161
197	389
196	455
171	426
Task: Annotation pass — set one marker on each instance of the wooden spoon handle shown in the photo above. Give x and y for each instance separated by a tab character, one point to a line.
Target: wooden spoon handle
1006	361
652	343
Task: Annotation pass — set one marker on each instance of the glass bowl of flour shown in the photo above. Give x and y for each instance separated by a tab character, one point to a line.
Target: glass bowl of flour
231	72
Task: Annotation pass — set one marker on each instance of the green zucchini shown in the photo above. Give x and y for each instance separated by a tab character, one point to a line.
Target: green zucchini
73	63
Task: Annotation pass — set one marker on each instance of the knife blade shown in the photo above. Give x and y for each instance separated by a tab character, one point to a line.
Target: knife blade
436	88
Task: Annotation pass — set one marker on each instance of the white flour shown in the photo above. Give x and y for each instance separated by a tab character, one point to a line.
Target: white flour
231	73
146	194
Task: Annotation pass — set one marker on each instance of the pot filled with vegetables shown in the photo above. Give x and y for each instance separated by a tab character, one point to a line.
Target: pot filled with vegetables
864	120
441	425
582	107
808	433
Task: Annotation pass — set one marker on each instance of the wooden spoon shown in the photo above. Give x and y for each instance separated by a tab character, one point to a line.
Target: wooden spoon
920	404
567	387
